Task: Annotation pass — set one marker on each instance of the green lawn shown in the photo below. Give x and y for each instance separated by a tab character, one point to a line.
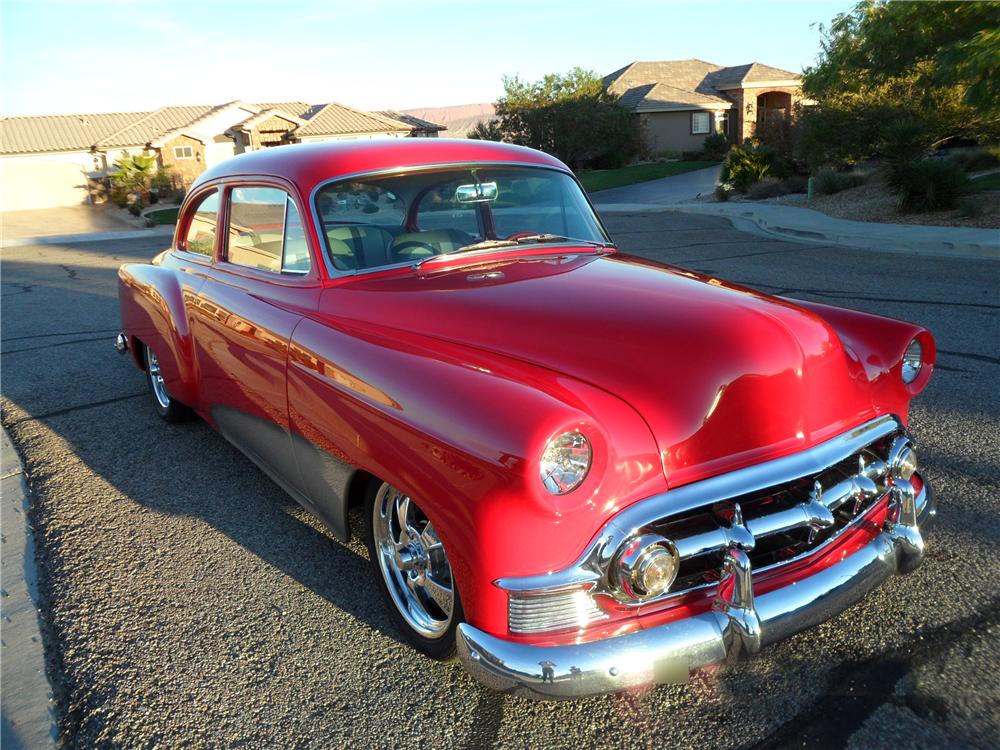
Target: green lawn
989	182
602	179
163	215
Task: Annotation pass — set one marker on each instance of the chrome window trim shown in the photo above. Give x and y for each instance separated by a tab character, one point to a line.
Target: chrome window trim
334	272
591	567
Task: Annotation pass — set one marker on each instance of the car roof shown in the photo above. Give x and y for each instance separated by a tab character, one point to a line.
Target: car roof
307	164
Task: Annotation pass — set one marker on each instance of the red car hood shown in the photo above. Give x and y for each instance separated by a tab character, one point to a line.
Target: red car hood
724	377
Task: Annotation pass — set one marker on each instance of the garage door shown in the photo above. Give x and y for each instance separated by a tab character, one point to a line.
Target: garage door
41	183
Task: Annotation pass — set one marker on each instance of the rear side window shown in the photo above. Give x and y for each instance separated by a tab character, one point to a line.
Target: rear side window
265	231
200	237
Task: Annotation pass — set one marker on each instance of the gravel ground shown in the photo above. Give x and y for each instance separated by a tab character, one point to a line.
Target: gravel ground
874	202
189	603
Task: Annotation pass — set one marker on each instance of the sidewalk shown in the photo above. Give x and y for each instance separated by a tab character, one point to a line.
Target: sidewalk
26	710
166	232
807	225
664	191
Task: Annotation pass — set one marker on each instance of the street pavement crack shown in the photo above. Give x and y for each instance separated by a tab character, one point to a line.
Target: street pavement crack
50	346
62	333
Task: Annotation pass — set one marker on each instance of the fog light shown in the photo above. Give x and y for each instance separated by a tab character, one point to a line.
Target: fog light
646	567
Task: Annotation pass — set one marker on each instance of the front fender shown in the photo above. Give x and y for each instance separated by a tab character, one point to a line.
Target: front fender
878	343
461	431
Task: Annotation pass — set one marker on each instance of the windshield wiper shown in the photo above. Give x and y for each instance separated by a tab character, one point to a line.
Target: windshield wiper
495	244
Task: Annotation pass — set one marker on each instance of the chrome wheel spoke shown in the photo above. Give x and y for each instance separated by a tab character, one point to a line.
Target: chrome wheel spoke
429	538
441	594
413	563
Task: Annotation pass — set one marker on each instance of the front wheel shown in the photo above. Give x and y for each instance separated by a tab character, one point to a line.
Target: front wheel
169	409
412	571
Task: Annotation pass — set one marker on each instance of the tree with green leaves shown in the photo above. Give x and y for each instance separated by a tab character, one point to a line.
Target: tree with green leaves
134	173
932	44
570	116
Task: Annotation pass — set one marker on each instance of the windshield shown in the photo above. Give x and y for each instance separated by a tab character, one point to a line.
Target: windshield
404	218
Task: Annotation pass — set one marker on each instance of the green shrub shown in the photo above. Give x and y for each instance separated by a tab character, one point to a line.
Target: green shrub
135	208
797	183
668	154
970	208
722	193
829	181
903	143
119	196
716	145
769	187
931	185
746	165
977	160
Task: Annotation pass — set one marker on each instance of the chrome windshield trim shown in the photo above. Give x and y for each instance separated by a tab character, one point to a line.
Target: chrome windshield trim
335	272
591	566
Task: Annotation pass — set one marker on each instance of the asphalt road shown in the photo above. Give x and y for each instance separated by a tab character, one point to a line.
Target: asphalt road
189	603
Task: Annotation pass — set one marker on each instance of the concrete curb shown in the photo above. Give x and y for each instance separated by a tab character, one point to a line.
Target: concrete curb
26	705
64	239
809	226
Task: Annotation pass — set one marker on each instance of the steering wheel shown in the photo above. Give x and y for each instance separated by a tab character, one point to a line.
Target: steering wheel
520	235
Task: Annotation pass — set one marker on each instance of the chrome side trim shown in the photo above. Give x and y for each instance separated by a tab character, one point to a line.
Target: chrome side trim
738	624
591	565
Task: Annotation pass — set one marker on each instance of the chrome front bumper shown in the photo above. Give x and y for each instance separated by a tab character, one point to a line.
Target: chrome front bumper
738	624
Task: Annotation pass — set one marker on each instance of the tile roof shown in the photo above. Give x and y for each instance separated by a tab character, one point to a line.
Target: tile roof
412	120
752	73
39	133
154	124
339	119
675	84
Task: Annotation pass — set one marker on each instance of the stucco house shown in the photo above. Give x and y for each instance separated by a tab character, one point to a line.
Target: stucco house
679	102
47	160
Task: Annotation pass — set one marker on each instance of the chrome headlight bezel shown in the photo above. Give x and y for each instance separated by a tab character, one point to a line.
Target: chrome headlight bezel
565	462
912	362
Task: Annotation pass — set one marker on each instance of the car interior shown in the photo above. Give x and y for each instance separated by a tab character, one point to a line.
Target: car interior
409	217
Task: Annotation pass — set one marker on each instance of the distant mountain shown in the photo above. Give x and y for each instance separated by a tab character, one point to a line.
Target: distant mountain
460	118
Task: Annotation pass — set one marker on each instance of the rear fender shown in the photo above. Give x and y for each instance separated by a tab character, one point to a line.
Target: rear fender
154	310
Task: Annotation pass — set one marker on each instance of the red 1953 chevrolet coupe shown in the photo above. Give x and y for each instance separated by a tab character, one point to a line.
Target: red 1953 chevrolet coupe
583	471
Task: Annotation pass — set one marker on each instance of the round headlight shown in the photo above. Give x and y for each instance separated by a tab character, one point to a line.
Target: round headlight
565	462
646	567
913	360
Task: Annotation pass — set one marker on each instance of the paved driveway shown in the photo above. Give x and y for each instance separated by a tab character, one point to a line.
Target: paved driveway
190	603
662	192
47	222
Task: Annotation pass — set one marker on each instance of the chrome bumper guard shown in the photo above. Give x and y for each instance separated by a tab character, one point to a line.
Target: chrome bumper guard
738	624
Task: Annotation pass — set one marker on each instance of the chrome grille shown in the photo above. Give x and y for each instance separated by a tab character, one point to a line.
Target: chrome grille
779	523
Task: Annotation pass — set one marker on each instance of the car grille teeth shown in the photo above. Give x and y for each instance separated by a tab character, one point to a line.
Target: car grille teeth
780	523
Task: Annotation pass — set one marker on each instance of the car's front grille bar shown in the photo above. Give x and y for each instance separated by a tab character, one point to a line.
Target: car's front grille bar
776	511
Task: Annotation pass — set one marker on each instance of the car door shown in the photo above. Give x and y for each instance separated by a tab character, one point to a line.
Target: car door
257	291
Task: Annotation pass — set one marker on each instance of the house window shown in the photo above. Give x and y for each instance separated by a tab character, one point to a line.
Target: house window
183	152
701	123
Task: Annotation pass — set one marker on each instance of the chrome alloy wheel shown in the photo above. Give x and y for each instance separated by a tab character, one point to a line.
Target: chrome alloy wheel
413	563
156	379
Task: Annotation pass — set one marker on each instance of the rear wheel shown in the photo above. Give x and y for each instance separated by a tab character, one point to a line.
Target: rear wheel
169	409
412	571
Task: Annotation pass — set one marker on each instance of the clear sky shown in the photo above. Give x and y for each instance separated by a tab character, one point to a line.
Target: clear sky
96	56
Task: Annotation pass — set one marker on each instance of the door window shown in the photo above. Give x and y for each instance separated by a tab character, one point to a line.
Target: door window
200	235
265	231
